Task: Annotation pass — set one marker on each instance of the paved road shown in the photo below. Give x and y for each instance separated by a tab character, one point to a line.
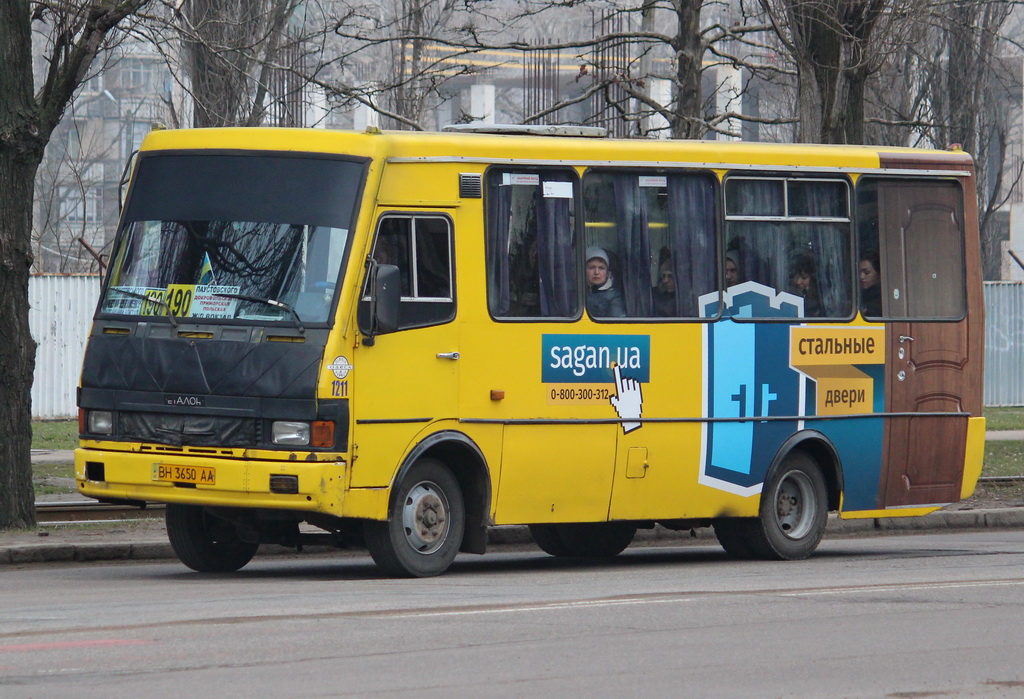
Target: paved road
896	615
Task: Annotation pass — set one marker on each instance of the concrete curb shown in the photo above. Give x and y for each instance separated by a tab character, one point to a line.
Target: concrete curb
1008	518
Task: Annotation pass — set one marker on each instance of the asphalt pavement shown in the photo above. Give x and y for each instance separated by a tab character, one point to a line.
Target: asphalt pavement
147	539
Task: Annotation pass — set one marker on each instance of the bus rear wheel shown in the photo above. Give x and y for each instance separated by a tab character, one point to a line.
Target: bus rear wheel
791	518
425	526
547	538
205	543
585	540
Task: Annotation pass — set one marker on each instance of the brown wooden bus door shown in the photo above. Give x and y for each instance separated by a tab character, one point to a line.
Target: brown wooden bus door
921	241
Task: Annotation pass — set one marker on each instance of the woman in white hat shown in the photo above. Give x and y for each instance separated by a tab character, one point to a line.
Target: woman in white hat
604	300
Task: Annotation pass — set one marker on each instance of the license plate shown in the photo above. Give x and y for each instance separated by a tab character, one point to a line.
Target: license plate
196	475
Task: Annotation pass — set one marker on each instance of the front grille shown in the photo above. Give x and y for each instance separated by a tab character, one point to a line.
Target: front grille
188	430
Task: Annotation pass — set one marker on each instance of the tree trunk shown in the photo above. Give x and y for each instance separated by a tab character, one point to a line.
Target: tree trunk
21	151
688	120
17	348
26	123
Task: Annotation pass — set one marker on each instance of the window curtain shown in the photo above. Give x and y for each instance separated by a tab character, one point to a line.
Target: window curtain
499	213
555	234
691	222
830	247
631	225
762	245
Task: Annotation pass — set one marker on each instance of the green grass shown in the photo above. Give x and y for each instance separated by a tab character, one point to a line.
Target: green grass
1003	459
54	434
51	478
1004	418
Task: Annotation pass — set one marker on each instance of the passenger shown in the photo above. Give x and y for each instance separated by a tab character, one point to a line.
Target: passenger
524	281
870	284
805	284
664	294
732	267
603	299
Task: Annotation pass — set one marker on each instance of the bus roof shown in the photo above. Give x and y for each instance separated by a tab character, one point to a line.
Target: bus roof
563	150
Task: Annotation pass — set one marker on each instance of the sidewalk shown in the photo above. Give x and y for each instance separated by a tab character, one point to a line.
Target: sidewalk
147	539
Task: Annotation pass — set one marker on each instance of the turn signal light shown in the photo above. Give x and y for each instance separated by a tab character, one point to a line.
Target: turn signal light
284	485
323	433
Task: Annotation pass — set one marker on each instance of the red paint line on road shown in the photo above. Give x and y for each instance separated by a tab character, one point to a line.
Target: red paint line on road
61	645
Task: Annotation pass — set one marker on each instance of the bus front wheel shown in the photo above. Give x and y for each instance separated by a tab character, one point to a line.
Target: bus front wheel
425	525
205	543
791	518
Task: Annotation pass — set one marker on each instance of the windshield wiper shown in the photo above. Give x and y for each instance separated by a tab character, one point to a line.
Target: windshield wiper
273	303
151	299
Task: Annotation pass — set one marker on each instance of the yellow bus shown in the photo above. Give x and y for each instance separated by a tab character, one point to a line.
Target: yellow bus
398	340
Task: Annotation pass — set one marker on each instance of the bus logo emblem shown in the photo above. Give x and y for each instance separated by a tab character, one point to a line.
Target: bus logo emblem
340	367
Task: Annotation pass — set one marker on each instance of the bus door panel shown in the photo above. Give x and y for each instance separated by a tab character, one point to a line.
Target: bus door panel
925	451
400	385
921	242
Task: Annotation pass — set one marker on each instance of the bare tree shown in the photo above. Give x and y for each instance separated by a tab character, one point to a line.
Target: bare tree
74	32
231	49
957	82
971	90
396	58
836	46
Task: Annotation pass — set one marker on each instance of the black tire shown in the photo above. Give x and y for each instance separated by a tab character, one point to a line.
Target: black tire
794	510
547	538
205	543
733	533
791	517
586	540
426	522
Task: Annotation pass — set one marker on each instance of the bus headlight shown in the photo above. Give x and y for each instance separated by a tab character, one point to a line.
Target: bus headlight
100	422
294	434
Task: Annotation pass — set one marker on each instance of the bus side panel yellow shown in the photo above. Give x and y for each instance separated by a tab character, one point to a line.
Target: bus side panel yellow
974	457
555	473
413	184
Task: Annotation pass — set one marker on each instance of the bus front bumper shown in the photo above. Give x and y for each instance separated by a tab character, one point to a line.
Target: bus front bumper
317	486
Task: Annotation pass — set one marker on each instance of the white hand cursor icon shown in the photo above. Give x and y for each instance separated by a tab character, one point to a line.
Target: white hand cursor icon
628	401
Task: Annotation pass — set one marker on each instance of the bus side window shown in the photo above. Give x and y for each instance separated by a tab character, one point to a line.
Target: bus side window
916	230
869	261
792	235
421	248
658	233
532	270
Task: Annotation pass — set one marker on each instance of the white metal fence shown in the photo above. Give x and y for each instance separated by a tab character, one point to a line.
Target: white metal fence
1004	343
62	307
60	315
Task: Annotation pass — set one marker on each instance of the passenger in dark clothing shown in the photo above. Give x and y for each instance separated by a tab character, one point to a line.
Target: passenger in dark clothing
805	284
604	300
732	268
664	294
870	284
524	281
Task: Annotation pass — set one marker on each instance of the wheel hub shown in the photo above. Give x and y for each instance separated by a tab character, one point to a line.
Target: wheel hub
425	518
794	502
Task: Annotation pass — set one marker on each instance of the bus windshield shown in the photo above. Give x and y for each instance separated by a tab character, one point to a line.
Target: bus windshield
226	237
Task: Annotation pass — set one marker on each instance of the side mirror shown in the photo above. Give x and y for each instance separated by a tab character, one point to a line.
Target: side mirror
386	299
